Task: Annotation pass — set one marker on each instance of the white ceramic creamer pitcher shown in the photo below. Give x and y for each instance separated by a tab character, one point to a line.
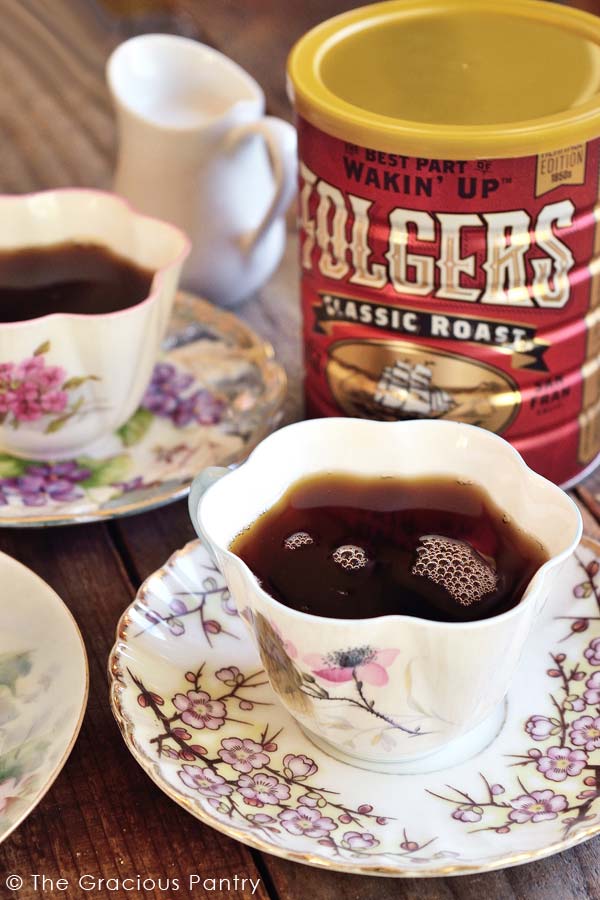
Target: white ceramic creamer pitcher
196	149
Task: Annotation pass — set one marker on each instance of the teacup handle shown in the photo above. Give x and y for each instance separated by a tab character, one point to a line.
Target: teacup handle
281	142
200	485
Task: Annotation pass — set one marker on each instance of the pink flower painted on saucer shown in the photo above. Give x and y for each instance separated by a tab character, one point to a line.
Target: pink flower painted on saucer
199	711
468	814
243	755
298	766
592	695
585	732
541	727
560	763
364	663
205	781
537	806
592	654
356	840
306	821
262	789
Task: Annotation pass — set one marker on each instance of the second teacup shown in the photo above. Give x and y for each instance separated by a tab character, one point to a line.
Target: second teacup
395	688
67	379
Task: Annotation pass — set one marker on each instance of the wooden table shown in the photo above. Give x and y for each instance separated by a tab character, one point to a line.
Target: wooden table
103	815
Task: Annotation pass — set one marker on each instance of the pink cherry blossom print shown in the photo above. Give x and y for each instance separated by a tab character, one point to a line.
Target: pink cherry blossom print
199	711
592	654
468	814
306	821
262	789
243	754
540	727
561	762
205	781
592	694
537	806
299	767
357	840
585	732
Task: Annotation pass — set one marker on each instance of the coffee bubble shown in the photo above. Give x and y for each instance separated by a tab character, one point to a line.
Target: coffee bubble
350	557
456	566
297	540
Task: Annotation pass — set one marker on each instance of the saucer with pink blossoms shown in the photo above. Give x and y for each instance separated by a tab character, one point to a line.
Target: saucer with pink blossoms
196	710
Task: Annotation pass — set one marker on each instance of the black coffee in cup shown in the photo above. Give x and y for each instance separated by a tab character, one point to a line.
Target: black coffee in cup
352	547
87	279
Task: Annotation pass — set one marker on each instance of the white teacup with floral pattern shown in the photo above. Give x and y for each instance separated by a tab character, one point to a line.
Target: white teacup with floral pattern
68	379
394	688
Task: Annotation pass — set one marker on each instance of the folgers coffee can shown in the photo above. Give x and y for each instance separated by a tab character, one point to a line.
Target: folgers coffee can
449	220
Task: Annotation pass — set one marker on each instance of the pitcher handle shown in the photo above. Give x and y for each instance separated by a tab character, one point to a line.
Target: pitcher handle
281	143
200	485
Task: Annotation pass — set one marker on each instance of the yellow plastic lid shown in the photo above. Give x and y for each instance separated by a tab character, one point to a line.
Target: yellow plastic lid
452	79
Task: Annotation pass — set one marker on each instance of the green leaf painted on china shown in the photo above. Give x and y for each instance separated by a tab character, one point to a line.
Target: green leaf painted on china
24	758
12	667
43	348
105	471
136	427
57	424
11	467
77	380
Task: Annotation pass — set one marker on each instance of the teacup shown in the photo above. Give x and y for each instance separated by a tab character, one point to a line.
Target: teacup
394	688
68	379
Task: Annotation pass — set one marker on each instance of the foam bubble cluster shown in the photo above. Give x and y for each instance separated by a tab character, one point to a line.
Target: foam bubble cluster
298	539
350	557
456	566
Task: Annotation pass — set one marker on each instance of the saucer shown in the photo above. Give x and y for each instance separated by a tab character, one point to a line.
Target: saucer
215	393
196	711
43	690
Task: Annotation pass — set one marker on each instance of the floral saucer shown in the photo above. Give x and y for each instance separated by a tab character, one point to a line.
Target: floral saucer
196	710
43	690
214	394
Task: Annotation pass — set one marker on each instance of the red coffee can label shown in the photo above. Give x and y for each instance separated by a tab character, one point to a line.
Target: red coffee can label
455	289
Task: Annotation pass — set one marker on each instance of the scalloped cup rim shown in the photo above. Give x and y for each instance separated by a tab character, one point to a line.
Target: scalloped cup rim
503	446
133	213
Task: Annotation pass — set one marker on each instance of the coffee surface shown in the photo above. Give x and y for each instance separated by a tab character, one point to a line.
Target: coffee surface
88	279
348	547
